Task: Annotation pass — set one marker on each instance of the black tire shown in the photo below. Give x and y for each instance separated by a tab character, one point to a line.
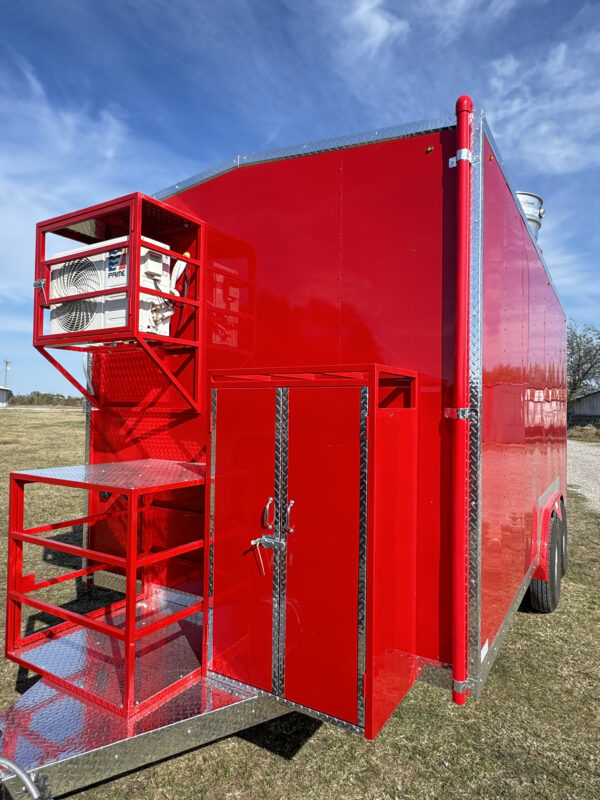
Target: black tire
565	539
544	595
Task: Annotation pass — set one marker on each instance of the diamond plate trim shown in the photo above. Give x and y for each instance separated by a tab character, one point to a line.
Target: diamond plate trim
434	674
475	388
283	486
75	744
362	552
211	529
312	148
288	704
142	474
279	553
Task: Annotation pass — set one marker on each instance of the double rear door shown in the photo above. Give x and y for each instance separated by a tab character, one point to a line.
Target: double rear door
288	517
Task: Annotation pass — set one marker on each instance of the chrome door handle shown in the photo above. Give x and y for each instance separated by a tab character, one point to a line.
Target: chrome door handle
267	520
288	527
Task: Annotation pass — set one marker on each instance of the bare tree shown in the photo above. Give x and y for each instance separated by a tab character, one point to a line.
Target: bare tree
583	359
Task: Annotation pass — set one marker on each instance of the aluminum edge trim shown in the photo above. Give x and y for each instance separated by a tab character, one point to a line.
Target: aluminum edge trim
434	674
475	391
280	553
476	683
362	553
282	701
84	769
211	527
312	148
275	610
489	136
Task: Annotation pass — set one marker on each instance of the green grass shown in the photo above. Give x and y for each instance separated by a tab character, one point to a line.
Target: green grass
533	733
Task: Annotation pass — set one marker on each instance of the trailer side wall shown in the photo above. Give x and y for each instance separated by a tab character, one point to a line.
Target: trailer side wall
523	426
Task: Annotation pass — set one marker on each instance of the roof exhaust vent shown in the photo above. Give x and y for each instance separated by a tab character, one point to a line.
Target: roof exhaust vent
532	208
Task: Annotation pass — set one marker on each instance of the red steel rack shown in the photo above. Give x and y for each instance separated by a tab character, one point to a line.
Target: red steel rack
111	652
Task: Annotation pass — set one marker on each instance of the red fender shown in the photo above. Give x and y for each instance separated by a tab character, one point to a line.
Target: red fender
551	506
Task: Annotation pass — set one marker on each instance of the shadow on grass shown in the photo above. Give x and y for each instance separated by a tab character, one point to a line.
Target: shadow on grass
284	736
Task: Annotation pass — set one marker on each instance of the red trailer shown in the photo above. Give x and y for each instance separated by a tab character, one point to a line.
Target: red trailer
326	448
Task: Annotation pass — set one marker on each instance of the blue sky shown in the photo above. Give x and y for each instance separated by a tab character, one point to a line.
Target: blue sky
98	99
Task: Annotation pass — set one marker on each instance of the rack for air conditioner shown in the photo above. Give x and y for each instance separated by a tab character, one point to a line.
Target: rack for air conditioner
133	219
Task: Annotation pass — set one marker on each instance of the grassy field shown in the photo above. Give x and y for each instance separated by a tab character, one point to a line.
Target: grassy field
534	732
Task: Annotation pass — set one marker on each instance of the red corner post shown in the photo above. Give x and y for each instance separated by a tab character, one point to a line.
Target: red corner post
460	485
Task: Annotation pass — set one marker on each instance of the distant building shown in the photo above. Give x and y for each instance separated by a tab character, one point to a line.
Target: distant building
585	410
4	390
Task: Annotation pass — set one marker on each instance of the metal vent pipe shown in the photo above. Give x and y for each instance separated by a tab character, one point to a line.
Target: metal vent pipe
532	208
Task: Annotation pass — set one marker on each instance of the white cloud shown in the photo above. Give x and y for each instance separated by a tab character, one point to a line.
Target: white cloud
55	159
371	26
546	107
450	18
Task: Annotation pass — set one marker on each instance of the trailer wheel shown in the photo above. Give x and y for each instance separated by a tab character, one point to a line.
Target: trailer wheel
565	538
544	595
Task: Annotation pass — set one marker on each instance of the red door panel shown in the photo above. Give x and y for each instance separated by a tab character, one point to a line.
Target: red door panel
321	640
243	587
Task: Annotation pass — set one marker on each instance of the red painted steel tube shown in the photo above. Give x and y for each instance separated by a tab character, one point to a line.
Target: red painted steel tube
71	549
92	251
170	619
71	616
171	552
71	523
460	480
15	564
65	628
70	576
130	603
67	375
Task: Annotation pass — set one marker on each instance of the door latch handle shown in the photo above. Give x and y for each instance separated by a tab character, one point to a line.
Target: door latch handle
257	543
288	514
267	518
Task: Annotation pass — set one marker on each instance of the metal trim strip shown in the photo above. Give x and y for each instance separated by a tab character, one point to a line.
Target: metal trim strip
211	528
312	148
280	553
362	553
434	674
492	142
237	685
475	391
476	683
80	770
276	611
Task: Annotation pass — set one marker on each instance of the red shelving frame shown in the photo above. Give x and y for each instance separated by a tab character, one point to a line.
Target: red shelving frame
20	586
130	217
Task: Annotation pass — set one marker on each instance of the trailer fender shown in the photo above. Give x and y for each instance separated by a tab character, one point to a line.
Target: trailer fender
551	505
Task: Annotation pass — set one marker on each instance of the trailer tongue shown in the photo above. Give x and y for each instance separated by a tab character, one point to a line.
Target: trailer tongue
326	450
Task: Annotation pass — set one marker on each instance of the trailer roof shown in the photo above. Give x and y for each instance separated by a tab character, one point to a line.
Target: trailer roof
311	148
443	122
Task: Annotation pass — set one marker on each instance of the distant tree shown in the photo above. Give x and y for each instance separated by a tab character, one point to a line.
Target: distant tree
36	398
583	359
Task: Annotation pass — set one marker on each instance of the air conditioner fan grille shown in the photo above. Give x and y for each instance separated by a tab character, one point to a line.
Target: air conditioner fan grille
76	277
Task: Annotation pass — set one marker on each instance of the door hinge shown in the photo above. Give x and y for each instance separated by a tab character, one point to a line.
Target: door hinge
457	413
461	155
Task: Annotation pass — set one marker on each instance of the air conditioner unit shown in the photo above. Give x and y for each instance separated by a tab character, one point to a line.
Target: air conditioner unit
82	274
